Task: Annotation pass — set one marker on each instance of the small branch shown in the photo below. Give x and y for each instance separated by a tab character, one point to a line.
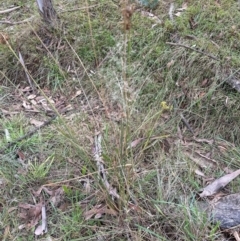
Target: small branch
25	69
186	123
9	10
101	169
193	49
29	134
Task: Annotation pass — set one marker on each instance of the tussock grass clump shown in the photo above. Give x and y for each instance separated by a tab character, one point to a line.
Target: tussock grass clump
157	96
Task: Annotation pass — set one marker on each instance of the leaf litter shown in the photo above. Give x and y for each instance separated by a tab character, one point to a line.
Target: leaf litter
97	212
218	184
222	209
32	214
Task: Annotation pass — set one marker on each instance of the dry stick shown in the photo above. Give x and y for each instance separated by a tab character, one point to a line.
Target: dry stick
193	49
100	166
186	123
9	10
29	134
26	72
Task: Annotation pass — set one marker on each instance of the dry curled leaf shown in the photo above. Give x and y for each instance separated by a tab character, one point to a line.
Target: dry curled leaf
30	210
31	214
218	184
56	195
20	155
98	211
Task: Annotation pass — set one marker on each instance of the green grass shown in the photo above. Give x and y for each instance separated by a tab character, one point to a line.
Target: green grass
133	85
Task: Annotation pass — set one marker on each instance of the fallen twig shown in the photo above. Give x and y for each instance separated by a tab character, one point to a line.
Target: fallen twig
25	69
101	169
193	49
9	10
29	134
186	123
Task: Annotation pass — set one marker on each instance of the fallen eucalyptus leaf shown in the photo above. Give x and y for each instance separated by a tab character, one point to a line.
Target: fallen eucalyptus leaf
218	184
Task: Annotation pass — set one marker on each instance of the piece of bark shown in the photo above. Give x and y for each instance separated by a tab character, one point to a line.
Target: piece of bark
234	83
225	211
